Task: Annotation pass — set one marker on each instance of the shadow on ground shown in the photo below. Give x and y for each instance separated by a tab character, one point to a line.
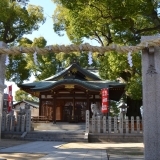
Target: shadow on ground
21	156
132	151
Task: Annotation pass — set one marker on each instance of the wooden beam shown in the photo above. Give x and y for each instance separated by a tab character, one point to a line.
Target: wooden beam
54	108
40	106
73	103
87	101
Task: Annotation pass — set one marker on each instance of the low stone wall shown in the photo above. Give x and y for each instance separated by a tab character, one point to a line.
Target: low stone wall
128	138
11	135
21	123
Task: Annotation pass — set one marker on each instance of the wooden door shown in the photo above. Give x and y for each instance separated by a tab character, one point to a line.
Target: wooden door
47	109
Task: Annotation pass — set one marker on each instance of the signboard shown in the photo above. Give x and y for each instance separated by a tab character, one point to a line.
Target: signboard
105	100
9	98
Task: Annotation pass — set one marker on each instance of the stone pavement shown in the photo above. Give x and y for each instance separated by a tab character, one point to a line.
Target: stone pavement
46	150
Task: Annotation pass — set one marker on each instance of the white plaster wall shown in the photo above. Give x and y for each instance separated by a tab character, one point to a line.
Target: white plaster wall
34	111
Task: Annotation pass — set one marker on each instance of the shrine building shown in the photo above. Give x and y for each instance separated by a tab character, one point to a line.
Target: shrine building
68	94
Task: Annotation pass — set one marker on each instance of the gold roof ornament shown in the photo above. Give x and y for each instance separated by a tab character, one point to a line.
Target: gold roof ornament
36	94
60	78
74	70
69	86
88	79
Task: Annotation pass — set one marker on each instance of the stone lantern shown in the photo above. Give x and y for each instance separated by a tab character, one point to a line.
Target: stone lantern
123	108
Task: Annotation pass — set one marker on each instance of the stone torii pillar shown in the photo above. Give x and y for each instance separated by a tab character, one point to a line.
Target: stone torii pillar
151	99
2	77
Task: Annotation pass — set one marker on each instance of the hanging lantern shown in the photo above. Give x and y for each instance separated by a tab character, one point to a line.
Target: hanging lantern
105	100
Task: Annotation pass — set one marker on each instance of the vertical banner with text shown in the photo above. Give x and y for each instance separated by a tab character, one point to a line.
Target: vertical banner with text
9	98
105	100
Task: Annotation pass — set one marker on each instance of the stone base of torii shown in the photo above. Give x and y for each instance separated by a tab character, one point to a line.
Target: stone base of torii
151	97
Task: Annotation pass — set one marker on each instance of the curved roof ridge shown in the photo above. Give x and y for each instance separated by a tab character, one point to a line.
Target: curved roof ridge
45	85
31	103
57	74
82	70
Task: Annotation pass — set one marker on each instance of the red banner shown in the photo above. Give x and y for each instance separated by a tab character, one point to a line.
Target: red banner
105	100
9	98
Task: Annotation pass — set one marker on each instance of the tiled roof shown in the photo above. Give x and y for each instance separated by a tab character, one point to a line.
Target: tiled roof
31	103
74	65
90	80
92	85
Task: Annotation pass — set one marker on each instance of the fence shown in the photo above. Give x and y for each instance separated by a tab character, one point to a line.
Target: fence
21	123
113	125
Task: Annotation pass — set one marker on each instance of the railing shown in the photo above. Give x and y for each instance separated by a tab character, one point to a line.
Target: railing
113	125
21	123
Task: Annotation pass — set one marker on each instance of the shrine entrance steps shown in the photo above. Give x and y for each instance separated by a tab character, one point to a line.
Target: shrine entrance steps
55	136
61	131
60	127
66	132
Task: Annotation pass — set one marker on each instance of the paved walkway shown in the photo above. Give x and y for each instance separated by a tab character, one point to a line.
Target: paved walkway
43	150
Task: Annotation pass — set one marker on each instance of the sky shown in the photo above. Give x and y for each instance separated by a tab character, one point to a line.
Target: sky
46	31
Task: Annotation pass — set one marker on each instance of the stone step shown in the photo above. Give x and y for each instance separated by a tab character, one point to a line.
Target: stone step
60	140
58	136
58	126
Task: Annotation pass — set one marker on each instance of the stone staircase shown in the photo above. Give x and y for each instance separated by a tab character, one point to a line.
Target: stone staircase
59	127
66	132
56	136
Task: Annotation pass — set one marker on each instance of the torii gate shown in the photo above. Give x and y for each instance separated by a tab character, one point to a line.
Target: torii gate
2	78
150	80
151	100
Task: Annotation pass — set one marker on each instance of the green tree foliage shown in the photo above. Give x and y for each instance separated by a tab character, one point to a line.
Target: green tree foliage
67	59
16	21
46	64
22	95
120	22
107	21
114	110
115	66
17	70
22	66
